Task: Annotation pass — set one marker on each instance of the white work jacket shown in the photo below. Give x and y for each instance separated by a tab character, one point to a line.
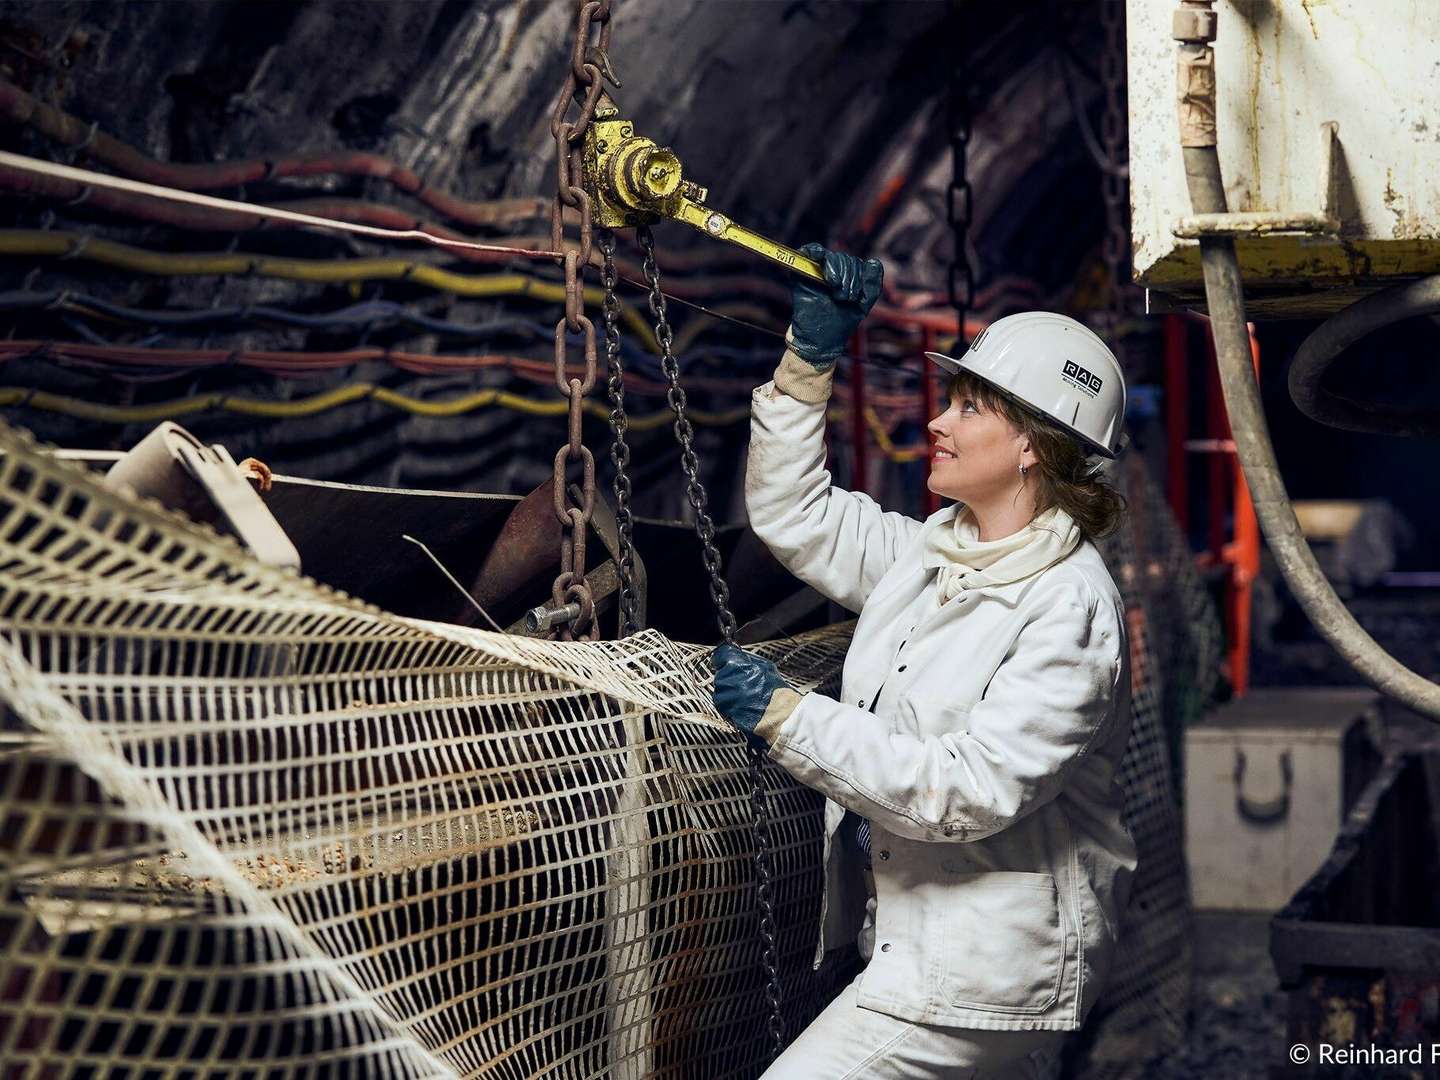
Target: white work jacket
981	738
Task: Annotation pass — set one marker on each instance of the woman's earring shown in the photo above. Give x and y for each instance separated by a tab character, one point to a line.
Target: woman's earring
1022	470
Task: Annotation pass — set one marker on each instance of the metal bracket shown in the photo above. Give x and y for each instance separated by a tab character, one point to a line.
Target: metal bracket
603	581
203	482
1263	811
603	521
1325	222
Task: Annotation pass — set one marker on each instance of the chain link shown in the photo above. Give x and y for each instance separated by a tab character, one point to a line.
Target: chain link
1114	183
959	196
720	594
569	585
619	448
685	435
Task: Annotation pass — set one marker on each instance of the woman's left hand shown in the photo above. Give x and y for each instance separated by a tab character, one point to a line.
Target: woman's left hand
744	684
825	317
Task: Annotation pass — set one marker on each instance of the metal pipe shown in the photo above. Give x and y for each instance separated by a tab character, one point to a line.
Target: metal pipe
1177	419
1225	296
1242	556
1221	468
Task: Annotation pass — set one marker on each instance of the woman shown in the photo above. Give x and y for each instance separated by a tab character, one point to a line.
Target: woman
973	836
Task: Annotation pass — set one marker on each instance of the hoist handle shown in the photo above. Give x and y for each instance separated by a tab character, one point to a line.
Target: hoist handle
713	223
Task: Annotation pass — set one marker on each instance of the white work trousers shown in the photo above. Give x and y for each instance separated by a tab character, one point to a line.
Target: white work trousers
847	1041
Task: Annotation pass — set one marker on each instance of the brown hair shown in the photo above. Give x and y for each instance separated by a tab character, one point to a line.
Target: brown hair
1065	479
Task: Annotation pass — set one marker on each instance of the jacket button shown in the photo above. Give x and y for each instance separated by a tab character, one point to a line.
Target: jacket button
885	947
884	854
862	703
901	667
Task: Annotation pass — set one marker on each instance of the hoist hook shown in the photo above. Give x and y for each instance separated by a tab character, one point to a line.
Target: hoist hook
597	56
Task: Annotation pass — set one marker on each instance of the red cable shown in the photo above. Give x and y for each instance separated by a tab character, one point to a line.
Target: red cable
180	215
129	161
298	364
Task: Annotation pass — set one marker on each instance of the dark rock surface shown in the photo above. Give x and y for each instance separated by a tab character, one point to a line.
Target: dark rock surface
1238	1020
797	115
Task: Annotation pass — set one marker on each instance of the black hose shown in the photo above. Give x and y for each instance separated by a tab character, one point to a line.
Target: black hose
1338	333
1225	295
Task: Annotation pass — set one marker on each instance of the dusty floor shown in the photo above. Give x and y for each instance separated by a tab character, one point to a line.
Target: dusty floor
1238	1023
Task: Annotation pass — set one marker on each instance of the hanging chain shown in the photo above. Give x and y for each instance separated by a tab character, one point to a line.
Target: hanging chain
959	196
1114	181
720	593
585	71
619	448
685	435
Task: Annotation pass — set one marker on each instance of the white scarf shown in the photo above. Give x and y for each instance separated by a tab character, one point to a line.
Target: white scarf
967	562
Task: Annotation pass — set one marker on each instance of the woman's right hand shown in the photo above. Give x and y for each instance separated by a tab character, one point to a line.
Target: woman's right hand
824	318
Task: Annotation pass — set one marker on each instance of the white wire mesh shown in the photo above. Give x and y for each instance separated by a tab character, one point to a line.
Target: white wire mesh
253	827
250	826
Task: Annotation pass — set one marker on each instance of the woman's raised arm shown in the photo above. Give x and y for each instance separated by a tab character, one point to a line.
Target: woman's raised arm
840	542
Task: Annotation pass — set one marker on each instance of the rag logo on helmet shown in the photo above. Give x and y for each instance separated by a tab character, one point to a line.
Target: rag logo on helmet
1081	379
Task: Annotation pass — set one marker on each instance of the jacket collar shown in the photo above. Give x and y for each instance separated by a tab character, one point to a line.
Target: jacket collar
1011	593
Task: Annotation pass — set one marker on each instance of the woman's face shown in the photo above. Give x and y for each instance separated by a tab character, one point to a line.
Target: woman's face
976	455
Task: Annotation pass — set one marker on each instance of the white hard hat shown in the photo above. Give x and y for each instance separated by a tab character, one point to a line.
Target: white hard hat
1056	367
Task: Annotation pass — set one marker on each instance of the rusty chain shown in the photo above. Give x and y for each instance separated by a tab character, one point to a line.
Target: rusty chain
1114	181
585	74
619	448
959	196
720	594
588	67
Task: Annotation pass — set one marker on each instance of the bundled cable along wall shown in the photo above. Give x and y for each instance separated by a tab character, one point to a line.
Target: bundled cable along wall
330	271
79	136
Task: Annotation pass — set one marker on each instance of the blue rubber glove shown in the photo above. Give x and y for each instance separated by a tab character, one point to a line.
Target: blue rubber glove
824	318
743	685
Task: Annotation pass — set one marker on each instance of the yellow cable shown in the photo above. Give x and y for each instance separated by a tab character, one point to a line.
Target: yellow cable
81	246
330	399
345	395
692	329
882	440
880	435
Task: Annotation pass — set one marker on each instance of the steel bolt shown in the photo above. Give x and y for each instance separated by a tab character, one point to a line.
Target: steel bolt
542	618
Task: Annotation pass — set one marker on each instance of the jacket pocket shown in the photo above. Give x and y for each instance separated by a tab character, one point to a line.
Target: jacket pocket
1004	949
922	714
